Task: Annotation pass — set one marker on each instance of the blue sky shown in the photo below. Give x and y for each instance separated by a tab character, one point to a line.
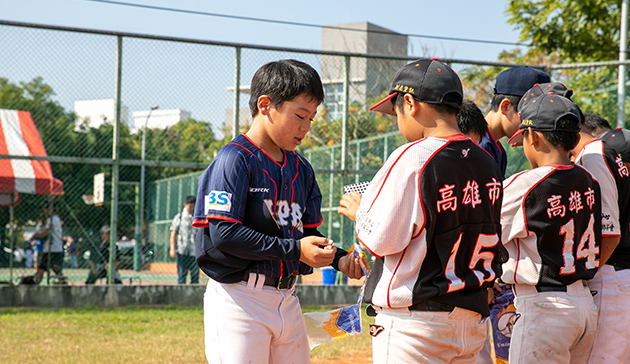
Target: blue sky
195	78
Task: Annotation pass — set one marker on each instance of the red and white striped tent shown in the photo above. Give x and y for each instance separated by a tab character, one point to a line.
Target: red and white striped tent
19	137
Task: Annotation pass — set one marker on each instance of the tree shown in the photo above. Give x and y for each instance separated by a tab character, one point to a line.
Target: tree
575	30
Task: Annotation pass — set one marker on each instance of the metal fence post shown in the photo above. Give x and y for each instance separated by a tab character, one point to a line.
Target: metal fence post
237	92
621	82
344	147
115	168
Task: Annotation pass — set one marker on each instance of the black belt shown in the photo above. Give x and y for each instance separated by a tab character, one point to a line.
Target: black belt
280	283
618	268
540	288
430	305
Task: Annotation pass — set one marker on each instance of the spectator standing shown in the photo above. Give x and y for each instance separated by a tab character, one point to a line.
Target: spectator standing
52	257
183	243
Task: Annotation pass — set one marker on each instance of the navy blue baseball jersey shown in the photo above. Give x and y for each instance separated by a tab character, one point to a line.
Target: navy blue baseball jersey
242	170
496	151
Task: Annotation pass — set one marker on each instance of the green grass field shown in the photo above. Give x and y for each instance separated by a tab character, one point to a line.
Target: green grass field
132	335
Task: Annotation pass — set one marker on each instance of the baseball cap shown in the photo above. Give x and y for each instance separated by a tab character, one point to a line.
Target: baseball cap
555	88
619	140
516	81
428	80
105	229
542	113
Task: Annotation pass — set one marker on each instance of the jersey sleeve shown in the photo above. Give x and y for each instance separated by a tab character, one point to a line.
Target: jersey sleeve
176	222
515	189
223	187
597	165
391	212
312	211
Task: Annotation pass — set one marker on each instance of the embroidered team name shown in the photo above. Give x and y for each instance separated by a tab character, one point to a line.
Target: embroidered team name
558	208
258	189
471	195
218	201
403	88
526	122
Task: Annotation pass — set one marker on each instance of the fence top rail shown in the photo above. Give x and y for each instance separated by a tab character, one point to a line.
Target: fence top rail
253	46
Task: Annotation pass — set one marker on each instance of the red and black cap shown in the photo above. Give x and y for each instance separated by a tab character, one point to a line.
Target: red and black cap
542	113
555	88
516	81
428	80
619	140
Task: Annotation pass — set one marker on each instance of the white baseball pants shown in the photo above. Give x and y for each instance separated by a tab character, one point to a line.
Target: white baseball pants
428	337
612	340
253	324
554	327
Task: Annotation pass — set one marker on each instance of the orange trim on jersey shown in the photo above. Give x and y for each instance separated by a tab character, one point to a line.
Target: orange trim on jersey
262	150
224	218
366	247
232	143
453	137
200	223
389	171
389	285
315	225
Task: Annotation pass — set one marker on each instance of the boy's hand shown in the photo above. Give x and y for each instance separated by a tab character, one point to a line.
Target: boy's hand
350	267
349	204
317	251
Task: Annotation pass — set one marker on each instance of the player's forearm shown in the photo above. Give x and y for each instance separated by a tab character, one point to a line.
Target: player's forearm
243	242
608	246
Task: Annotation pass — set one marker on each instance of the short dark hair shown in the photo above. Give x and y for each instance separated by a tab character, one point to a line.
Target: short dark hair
285	80
190	199
441	108
470	119
592	122
496	101
564	139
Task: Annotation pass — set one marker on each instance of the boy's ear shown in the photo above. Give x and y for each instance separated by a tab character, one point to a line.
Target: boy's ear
264	104
410	104
533	134
505	106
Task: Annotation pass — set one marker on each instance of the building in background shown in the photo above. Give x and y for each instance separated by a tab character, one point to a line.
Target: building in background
160	119
369	77
94	113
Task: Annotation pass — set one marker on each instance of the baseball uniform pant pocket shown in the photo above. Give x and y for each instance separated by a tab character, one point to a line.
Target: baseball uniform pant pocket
428	337
243	325
612	339
554	327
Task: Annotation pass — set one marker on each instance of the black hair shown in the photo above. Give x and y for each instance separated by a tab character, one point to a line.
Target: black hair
285	80
496	101
566	140
190	199
470	120
441	108
592	122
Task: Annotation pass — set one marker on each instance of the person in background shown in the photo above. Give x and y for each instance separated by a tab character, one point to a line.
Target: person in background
52	257
183	243
99	259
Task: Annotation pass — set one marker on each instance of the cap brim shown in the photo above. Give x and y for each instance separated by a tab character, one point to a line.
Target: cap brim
517	139
385	106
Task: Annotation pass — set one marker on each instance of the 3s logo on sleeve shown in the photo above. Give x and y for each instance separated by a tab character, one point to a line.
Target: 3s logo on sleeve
218	201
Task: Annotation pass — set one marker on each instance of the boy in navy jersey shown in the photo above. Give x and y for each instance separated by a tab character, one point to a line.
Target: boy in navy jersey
551	227
251	313
431	218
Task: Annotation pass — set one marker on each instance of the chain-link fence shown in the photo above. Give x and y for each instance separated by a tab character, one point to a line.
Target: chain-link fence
176	106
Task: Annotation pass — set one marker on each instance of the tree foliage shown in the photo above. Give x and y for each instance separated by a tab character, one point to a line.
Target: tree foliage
576	30
189	140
